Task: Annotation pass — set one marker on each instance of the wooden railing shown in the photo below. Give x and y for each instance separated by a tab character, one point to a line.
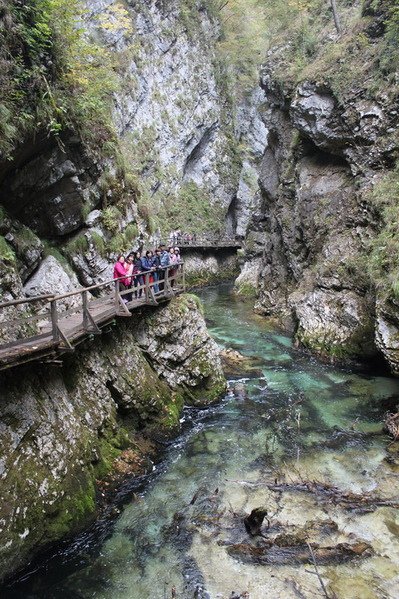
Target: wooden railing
64	326
204	241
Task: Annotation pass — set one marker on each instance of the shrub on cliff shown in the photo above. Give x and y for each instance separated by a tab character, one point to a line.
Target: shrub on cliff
52	75
384	248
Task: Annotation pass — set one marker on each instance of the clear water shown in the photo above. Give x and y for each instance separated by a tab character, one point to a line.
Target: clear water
286	428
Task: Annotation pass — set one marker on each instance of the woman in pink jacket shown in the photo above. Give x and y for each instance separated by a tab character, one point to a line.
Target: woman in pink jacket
121	271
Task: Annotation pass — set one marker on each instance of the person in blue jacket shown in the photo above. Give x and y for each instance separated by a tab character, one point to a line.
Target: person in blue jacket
150	263
163	264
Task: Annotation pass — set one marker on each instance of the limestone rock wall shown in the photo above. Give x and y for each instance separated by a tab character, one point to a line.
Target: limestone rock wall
307	241
210	267
61	428
176	133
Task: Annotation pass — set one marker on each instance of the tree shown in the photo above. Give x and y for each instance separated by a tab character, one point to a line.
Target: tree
336	16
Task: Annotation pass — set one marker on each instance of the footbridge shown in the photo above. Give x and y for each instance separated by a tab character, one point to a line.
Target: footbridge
202	242
45	327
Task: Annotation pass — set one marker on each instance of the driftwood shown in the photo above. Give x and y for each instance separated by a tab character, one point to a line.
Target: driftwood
391	425
271	553
323	586
360	502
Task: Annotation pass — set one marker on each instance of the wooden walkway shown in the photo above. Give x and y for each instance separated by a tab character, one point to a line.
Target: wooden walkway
58	332
202	242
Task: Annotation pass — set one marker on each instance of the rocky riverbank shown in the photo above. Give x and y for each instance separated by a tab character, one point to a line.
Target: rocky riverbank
64	428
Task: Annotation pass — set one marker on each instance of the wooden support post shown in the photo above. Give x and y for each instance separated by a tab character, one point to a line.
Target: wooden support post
85	311
147	287
183	275
54	321
166	282
87	317
117	296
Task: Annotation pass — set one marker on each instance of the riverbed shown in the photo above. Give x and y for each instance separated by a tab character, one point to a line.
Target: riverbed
292	435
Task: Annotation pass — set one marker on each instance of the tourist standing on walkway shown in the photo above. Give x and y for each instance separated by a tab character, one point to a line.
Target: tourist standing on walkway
164	263
157	266
120	271
148	265
172	261
137	270
156	263
129	265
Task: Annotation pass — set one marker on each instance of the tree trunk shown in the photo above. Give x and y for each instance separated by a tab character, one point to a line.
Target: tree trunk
336	16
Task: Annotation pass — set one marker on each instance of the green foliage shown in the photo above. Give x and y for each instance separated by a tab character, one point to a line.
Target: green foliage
389	59
243	41
99	242
383	265
123	242
3	213
77	245
111	218
305	44
131	232
53	74
192	210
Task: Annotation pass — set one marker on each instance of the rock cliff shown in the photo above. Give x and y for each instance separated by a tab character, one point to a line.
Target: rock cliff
62	428
315	244
168	159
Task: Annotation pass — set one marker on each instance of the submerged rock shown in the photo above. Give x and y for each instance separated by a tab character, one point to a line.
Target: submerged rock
235	363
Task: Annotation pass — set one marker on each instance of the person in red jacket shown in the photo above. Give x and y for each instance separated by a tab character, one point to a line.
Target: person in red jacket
121	271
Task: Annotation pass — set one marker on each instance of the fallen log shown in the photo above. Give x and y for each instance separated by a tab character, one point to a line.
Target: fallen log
271	554
361	502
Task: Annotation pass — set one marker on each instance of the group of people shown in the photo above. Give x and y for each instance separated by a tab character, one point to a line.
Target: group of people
177	236
131	269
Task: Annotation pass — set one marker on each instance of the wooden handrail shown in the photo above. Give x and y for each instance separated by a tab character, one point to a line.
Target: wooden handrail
66	329
52	297
110	281
26	300
201	241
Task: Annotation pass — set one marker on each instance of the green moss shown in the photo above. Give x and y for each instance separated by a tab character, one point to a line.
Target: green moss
109	448
6	252
247	291
383	262
26	237
359	345
50	250
169	421
74	511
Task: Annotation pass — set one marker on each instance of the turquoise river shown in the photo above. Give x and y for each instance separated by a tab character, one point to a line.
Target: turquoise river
292	435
